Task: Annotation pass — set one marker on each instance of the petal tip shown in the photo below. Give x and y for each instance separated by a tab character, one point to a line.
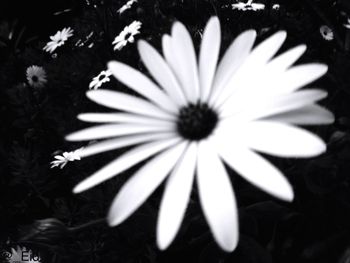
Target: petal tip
229	246
78	189
113	220
112	64
81	116
71	137
162	244
288	196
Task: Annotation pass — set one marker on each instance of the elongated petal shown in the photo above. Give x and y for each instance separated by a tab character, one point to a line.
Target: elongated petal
167	48
281	139
122	118
267	49
217	197
208	56
113	130
121	101
185	57
233	58
297	77
112	144
308	115
263	107
255	169
176	196
138	82
255	62
286	59
141	185
124	162
161	72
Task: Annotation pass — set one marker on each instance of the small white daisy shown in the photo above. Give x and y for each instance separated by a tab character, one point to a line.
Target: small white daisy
249	5
204	115
36	76
347	25
103	77
62	160
326	33
127	35
276	7
127	6
23	255
58	39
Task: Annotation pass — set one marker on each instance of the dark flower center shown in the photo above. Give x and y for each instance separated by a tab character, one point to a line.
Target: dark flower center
35	78
196	121
127	35
101	77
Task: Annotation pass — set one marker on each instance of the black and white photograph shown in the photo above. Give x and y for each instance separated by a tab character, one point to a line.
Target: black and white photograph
168	131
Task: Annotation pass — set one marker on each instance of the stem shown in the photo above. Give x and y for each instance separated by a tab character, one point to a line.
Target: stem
347	40
87	225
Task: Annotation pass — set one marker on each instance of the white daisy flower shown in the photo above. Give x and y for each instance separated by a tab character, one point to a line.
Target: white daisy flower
58	39
127	6
23	255
103	77
61	160
127	35
347	25
249	5
276	7
36	76
204	115
326	33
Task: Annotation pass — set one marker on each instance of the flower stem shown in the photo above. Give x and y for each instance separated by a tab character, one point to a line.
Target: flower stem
87	225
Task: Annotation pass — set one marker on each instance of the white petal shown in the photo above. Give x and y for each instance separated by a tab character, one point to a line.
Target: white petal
113	130
281	139
161	72
261	107
168	54
121	117
287	59
124	162
308	115
176	196
255	169
142	184
233	58
267	49
112	144
254	63
185	58
208	56
268	79
297	77
217	197
121	101
138	82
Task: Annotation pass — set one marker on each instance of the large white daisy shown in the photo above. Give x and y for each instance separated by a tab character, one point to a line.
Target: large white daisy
197	117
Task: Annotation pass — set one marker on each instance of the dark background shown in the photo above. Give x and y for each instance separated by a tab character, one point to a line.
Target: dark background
314	228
